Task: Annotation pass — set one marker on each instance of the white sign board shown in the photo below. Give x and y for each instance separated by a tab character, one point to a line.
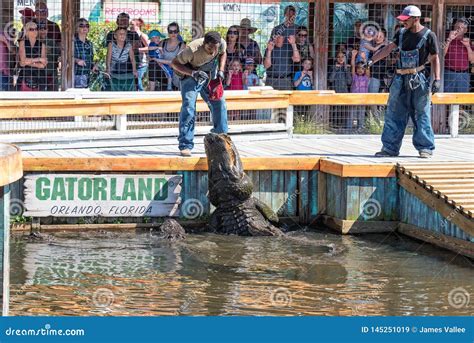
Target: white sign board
148	11
106	195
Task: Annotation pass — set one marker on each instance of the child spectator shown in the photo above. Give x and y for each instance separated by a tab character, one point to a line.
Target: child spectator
121	65
303	80
360	84
340	74
235	76
366	46
250	78
159	71
83	55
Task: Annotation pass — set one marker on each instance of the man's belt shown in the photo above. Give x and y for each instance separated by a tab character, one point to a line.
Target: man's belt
410	71
457	71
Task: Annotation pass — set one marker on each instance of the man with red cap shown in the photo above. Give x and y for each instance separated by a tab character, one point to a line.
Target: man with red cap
410	92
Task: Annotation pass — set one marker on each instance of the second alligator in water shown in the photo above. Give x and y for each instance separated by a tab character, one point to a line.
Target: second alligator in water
230	191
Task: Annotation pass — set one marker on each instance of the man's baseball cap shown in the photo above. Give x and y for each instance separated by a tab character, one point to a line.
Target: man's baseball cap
409	11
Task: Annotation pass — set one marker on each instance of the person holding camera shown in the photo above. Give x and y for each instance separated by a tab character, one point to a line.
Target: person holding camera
200	67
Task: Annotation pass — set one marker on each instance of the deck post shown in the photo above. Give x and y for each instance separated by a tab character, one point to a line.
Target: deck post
289	120
5	247
121	122
454	120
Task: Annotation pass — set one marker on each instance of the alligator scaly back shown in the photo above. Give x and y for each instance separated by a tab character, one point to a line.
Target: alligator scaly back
230	191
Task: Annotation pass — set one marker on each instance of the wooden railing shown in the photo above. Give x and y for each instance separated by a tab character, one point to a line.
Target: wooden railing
76	104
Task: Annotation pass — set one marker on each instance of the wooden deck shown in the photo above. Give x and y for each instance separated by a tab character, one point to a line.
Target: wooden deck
340	155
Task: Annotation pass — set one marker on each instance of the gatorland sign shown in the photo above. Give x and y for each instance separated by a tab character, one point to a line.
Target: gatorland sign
106	195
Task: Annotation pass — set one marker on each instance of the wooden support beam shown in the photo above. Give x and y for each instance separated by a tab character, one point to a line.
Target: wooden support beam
5	247
198	25
357	227
457	245
177	163
357	170
68	15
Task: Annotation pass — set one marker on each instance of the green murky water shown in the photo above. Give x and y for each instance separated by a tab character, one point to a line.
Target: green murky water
128	273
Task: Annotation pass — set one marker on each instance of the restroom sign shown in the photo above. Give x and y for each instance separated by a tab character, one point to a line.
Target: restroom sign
106	195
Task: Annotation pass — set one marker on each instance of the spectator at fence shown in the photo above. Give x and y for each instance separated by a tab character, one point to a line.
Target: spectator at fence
234	79
6	48
305	49
367	44
33	60
302	42
340	75
303	80
279	62
41	14
27	15
53	53
142	61
360	84
202	60
123	22
251	47
121	65
235	51
288	27
410	89
250	79
160	70
171	47
83	55
458	53
379	69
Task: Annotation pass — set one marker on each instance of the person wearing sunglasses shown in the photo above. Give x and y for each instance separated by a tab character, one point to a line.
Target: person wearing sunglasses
83	55
235	50
304	47
33	60
170	48
41	14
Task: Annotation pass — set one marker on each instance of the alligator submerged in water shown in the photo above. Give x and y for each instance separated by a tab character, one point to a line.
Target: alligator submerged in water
230	191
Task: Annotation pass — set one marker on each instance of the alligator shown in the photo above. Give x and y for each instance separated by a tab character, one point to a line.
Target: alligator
230	191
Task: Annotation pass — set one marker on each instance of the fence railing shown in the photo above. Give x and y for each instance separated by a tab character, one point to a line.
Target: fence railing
22	113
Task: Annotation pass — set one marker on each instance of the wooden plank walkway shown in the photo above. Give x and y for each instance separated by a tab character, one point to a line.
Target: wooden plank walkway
345	149
452	183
